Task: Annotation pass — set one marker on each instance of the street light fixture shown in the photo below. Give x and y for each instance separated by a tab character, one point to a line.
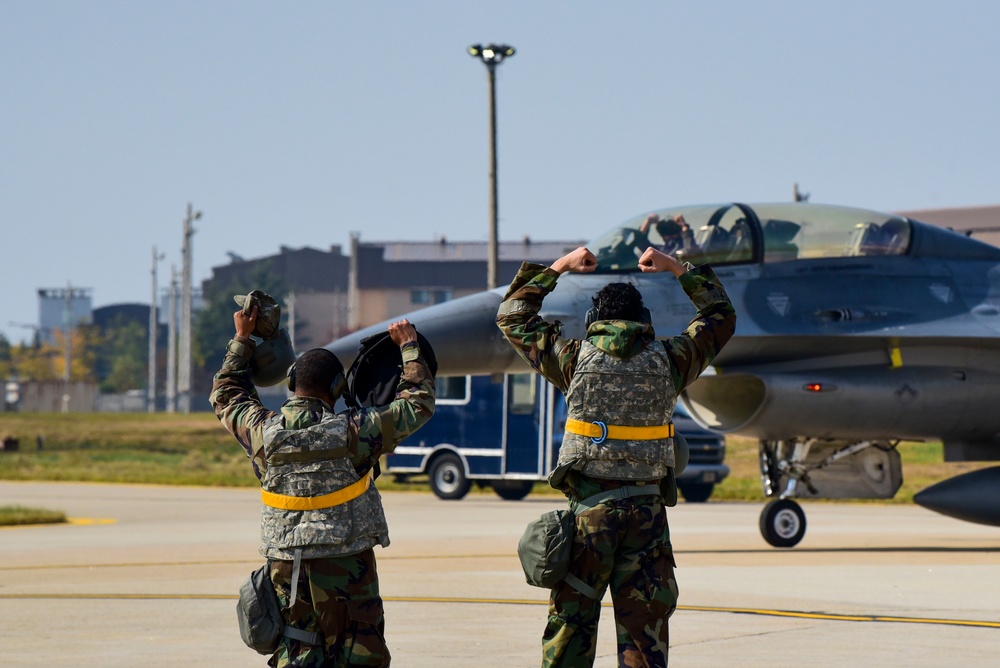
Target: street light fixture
492	55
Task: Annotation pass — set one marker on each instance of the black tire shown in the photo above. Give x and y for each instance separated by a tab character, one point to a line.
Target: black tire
698	492
513	490
447	477
783	523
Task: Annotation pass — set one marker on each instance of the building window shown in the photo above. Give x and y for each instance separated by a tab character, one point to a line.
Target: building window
427	296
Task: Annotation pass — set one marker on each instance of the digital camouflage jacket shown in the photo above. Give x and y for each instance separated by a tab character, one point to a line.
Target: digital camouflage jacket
540	344
364	435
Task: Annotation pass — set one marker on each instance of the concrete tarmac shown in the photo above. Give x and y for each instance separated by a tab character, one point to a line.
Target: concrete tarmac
148	576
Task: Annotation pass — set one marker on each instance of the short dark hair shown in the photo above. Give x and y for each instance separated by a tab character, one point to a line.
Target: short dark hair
315	371
619	301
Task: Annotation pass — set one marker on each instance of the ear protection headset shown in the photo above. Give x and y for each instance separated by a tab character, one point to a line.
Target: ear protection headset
337	385
593	316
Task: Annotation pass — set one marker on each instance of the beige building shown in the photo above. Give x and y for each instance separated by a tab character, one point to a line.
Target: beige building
332	293
979	222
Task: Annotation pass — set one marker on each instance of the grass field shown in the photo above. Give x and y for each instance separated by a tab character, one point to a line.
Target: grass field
195	450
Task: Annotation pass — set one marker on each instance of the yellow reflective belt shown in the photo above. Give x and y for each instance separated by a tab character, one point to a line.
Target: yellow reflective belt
619	432
352	491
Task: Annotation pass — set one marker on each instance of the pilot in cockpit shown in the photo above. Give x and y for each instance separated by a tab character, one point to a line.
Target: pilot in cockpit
678	239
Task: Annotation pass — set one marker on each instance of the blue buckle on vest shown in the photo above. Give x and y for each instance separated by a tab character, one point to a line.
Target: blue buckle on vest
604	432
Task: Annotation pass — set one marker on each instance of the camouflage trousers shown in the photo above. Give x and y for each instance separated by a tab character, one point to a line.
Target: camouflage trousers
337	597
625	545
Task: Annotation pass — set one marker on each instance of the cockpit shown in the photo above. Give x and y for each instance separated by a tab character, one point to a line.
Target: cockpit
737	234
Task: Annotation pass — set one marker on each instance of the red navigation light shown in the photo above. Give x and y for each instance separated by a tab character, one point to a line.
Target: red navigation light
814	387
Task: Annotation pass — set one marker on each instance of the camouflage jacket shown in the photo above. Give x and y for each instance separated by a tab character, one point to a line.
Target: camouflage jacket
539	342
371	432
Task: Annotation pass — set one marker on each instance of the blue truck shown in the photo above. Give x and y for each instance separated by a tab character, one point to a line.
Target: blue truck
505	431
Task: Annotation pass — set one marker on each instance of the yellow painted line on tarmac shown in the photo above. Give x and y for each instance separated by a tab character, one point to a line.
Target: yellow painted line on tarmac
512	601
138	564
844	618
70	521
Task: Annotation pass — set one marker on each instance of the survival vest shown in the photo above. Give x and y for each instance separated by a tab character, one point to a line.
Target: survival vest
314	500
619	412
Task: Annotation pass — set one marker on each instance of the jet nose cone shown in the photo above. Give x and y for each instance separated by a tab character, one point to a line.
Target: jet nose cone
463	333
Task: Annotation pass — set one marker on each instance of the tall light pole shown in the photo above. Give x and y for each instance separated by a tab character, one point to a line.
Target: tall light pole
184	363
153	324
492	55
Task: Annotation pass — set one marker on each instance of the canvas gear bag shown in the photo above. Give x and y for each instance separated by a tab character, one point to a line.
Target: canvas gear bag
546	546
258	612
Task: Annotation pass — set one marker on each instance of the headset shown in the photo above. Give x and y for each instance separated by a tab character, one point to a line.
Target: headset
593	315
337	385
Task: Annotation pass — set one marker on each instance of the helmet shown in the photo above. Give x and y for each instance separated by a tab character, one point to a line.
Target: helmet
374	374
268	312
271	359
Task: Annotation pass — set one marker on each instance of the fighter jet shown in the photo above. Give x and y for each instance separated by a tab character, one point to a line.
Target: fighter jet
856	330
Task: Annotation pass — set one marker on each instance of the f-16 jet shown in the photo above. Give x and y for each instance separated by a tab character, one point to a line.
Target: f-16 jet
857	330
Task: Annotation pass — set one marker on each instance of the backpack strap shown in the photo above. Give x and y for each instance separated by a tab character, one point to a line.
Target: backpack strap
308	637
624	492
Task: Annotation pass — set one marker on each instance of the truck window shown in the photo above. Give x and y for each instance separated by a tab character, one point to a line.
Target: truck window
522	393
452	389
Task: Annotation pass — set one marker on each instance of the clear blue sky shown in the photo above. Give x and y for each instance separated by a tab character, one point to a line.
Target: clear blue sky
296	123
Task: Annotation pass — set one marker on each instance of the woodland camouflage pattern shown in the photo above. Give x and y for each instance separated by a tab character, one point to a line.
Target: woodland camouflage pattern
623	544
353	631
340	592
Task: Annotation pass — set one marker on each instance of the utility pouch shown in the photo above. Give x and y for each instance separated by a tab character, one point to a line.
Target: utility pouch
259	612
546	547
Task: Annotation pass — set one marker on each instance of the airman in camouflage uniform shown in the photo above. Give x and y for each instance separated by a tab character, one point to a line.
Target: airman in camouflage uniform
620	372
309	455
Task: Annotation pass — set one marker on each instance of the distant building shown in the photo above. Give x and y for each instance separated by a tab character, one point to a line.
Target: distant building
62	308
979	222
336	293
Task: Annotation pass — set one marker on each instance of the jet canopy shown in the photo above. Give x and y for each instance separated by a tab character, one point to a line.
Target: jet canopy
721	234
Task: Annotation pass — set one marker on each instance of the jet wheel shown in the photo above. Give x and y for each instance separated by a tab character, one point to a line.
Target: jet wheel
447	477
783	523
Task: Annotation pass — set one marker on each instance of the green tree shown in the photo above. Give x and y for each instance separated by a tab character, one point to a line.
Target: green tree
213	325
123	354
6	358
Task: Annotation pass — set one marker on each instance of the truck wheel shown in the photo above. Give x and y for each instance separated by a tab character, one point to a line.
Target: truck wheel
447	477
698	492
783	523
513	490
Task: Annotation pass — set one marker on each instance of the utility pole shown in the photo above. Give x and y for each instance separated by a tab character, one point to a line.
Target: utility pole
153	326
290	308
67	344
184	363
172	342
